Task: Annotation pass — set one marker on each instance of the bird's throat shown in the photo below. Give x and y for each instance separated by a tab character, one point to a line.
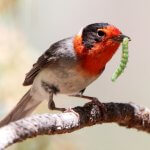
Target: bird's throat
93	61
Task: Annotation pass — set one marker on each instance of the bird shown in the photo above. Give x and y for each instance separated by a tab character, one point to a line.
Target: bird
68	67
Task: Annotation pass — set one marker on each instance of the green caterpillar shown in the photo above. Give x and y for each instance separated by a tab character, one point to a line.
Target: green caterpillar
124	60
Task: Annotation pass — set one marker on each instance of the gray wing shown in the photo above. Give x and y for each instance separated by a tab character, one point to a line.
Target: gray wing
53	54
43	60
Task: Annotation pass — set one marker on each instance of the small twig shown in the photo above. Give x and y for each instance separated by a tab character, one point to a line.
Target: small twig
129	115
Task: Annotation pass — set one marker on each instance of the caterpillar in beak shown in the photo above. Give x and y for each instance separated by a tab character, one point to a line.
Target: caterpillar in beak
124	60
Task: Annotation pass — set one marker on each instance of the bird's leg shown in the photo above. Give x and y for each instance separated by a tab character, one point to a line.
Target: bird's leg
93	99
51	89
52	106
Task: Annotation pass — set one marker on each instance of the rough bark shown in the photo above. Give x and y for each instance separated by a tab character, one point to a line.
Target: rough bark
125	114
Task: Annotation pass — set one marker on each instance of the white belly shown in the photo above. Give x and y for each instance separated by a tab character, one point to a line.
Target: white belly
68	81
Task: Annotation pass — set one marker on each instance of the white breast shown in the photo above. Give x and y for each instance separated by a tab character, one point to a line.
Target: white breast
68	81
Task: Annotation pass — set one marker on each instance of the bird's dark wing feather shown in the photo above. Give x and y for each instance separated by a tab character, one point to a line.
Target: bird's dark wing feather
53	54
44	59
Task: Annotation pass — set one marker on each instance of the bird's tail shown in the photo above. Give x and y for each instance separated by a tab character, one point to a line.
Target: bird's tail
24	107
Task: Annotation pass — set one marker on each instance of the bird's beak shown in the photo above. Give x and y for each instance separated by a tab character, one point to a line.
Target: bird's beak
120	38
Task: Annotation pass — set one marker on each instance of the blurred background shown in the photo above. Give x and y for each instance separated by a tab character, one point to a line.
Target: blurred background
29	27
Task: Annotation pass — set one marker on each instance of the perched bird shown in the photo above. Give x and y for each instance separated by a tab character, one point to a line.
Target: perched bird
68	67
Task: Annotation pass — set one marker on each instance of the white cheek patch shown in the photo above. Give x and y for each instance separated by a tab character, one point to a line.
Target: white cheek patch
80	32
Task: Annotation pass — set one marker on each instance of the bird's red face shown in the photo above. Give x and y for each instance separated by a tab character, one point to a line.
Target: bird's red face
95	46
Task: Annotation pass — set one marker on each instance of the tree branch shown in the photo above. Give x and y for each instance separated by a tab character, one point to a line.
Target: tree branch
124	114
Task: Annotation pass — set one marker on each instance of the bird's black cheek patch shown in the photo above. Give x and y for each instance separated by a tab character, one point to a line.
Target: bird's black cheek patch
90	34
89	41
50	88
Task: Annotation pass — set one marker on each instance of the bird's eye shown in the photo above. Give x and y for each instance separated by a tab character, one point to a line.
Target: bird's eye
101	33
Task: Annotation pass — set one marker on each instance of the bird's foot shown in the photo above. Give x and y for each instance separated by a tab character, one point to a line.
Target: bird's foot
94	100
52	106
